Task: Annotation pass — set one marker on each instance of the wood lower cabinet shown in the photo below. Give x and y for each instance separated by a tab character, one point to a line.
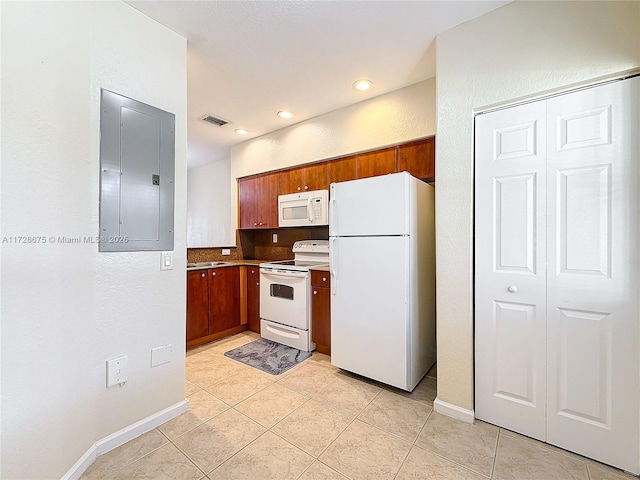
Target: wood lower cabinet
197	304
418	158
258	201
224	299
213	304
378	162
321	311
253	298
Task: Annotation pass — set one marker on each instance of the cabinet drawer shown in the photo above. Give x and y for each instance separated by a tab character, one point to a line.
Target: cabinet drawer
320	278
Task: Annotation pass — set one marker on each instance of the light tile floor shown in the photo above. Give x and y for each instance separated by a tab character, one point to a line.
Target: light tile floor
317	422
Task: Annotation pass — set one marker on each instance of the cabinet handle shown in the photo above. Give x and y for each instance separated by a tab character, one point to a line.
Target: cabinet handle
260	224
306	187
324	279
315	292
255	224
202	275
213	274
512	289
258	284
299	188
253	271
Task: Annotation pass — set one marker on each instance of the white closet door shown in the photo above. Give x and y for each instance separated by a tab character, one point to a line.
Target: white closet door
510	277
592	313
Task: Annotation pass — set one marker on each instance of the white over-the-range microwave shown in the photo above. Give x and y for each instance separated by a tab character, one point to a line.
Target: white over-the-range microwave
304	209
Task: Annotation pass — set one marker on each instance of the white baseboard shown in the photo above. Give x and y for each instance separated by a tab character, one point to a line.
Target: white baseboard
453	411
121	437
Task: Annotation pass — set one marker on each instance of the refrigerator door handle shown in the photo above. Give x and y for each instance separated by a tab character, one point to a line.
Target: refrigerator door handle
333	255
332	209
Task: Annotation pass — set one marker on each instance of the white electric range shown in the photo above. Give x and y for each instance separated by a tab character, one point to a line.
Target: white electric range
285	295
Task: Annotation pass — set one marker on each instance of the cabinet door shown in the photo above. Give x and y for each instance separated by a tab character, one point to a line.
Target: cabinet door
224	299
197	304
291	181
316	177
321	319
253	299
267	198
418	158
248	193
342	169
380	162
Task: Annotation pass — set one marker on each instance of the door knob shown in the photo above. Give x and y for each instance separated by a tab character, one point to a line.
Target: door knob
202	275
213	274
512	288
299	189
306	187
315	292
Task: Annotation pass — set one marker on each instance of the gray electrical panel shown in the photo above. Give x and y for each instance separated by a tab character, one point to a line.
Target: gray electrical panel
137	169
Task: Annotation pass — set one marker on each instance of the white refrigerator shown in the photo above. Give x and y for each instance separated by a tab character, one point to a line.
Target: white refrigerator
382	255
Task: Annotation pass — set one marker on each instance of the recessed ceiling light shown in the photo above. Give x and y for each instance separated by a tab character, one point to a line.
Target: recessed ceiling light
362	85
241	131
285	114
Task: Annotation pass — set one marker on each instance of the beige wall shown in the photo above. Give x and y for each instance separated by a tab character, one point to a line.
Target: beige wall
395	117
520	50
66	308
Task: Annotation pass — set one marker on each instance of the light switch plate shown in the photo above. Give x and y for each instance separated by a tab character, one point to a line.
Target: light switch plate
166	261
117	372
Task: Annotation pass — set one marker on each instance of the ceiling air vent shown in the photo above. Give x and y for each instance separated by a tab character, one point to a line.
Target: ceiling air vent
217	121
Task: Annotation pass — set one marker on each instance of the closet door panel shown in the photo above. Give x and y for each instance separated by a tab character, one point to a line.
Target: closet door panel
510	277
592	310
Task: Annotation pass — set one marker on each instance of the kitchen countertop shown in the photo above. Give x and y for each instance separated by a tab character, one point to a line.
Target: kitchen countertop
224	263
323	268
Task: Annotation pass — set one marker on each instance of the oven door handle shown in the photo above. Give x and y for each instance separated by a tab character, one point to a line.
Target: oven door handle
284	274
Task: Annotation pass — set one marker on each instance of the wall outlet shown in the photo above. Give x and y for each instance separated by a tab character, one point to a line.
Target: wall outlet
275	238
160	355
226	251
117	372
166	261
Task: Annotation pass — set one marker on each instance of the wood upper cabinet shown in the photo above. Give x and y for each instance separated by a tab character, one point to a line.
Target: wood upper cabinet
378	162
310	177
258	195
418	158
258	201
342	169
224	299
253	298
197	304
321	311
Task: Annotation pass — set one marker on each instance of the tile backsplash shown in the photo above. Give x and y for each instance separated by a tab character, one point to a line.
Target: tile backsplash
259	244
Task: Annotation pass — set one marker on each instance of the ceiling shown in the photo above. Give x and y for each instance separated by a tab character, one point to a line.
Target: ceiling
247	60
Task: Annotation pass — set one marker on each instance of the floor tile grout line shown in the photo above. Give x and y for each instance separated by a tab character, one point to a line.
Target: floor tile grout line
141	456
457	464
495	453
204	474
